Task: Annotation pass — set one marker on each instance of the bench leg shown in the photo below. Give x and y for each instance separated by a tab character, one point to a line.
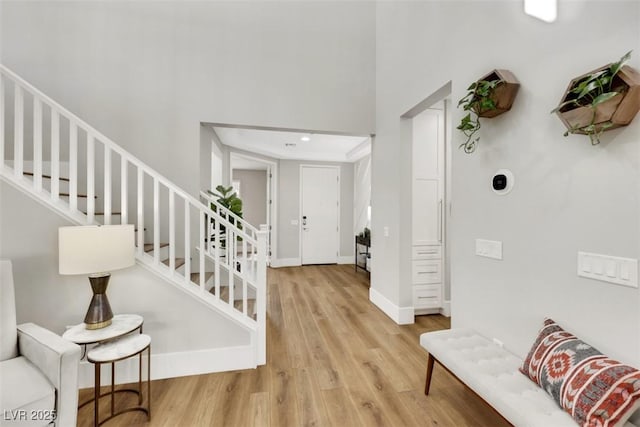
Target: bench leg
427	384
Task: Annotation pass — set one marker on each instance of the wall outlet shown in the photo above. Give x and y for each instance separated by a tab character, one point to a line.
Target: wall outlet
386	231
294	222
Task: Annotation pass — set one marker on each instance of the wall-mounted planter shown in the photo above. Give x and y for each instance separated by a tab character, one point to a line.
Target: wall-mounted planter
489	96
503	94
613	113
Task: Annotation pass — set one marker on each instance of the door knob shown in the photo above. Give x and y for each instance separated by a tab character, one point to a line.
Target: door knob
304	220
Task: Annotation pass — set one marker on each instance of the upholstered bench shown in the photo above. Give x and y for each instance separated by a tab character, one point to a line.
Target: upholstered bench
492	373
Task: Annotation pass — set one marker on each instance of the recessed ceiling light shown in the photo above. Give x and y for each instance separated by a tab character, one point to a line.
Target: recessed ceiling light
305	138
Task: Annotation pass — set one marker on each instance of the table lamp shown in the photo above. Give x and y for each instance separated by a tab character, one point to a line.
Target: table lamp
96	250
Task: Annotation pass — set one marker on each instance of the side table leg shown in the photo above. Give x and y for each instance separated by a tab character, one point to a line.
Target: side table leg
149	379
113	377
140	379
96	394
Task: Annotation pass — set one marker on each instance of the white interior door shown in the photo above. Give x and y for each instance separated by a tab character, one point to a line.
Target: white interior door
319	214
428	177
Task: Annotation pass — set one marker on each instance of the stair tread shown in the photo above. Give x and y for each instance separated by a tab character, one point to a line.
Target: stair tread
251	302
179	262
47	176
195	277
78	195
148	247
100	213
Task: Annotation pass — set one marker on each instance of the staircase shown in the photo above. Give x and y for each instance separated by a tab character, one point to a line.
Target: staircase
210	254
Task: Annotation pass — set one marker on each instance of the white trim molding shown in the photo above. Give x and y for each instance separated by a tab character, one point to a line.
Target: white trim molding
349	259
400	315
286	262
171	365
446	308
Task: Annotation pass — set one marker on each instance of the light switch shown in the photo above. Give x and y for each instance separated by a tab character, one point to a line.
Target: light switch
598	267
489	248
621	271
294	222
624	271
611	268
386	231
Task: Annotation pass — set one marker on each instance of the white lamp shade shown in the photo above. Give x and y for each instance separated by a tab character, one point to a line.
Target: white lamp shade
95	249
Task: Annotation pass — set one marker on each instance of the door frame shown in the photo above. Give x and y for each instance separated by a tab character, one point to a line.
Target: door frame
272	194
443	94
338	183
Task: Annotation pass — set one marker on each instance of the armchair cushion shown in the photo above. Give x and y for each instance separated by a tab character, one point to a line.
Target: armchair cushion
58	359
26	396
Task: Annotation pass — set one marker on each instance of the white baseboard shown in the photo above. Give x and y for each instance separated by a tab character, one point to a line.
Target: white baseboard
170	365
446	309
297	262
400	315
286	262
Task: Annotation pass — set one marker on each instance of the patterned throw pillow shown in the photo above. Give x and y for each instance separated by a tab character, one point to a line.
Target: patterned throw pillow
593	388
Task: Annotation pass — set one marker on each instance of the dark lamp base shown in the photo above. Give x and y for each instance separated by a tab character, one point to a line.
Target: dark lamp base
99	314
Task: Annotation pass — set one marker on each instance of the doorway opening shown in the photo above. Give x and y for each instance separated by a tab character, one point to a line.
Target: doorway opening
242	156
431	202
254	179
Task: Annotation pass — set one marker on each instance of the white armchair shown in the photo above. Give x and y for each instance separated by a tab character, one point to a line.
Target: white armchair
38	369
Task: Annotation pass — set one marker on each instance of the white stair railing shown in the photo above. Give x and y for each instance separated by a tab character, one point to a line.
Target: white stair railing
212	201
168	220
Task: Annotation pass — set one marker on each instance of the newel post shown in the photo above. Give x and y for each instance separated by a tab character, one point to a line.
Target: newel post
261	300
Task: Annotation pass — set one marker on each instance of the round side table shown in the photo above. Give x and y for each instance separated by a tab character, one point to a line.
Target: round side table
111	352
122	324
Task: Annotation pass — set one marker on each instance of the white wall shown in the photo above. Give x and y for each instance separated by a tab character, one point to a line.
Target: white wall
147	73
569	196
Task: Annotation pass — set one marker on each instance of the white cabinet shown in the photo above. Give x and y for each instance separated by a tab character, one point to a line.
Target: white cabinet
427	211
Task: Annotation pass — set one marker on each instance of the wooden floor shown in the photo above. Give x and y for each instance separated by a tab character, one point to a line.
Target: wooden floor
334	359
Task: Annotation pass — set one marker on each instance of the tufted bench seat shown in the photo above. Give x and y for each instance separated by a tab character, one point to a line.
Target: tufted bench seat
492	373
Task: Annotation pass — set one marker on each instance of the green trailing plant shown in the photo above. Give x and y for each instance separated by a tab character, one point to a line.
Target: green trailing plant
592	91
230	200
476	101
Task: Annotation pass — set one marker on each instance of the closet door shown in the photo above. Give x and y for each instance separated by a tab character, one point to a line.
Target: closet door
428	173
427	210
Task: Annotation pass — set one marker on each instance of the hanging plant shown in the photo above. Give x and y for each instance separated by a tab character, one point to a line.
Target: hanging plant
488	97
601	100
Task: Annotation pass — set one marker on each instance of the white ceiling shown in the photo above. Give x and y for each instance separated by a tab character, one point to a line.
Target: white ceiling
272	143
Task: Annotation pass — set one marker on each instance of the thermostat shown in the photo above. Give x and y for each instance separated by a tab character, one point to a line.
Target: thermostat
502	182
